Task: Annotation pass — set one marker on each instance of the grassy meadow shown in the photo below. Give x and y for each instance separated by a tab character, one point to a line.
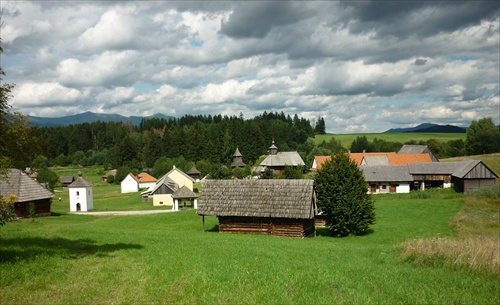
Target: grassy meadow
166	258
347	139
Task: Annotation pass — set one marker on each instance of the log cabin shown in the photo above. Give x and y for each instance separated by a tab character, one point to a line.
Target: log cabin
260	206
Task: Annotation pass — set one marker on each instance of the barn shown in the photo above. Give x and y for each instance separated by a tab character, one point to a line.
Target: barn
274	207
471	175
27	191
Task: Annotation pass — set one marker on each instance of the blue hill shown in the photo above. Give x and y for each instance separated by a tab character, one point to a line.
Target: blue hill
429	127
90	117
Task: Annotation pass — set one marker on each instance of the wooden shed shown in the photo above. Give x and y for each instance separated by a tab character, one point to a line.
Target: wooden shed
274	207
472	175
66	181
27	191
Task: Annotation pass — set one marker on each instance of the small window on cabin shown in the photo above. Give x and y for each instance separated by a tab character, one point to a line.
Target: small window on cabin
384	187
77	193
161	202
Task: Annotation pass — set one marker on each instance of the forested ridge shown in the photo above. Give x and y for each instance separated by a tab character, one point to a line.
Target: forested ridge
204	137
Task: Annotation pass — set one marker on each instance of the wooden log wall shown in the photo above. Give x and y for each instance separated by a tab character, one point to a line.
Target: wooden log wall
42	208
270	226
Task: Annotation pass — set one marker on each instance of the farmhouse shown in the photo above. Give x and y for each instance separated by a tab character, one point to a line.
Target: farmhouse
464	176
162	191
277	161
387	179
132	183
27	191
274	207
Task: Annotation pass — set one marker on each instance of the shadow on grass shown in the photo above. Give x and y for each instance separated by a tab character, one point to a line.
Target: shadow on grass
22	249
323	231
213	229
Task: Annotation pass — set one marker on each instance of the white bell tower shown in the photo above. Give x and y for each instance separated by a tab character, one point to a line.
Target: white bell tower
81	197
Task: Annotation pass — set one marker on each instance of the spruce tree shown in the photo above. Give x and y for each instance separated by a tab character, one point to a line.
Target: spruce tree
342	196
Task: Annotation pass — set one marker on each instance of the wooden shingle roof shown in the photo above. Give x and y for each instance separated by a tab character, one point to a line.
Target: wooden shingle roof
259	198
80	182
184	193
473	169
165	180
26	189
396	173
67	179
286	158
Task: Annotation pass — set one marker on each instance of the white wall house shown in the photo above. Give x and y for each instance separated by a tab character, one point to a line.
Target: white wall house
130	184
81	196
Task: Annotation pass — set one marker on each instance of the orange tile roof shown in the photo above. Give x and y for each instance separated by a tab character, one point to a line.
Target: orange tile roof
404	159
145	177
394	158
320	160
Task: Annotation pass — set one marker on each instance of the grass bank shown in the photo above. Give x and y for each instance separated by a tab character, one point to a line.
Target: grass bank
347	139
166	258
476	245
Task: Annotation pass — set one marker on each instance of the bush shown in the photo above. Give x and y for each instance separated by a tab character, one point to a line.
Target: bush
111	179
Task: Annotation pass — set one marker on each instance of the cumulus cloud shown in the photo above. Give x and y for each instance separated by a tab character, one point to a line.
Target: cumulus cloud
363	66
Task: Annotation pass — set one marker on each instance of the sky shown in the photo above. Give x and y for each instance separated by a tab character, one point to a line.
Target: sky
364	66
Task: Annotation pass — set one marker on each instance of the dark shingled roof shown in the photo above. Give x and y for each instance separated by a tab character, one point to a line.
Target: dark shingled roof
286	158
80	182
193	171
395	173
259	198
412	149
433	168
475	167
67	179
26	189
184	193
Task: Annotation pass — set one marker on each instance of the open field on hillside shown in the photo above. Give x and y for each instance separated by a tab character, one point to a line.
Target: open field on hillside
347	139
166	258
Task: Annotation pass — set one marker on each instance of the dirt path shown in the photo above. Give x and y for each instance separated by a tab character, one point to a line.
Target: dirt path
123	213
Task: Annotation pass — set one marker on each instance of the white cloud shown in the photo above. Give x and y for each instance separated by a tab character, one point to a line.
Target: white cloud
330	59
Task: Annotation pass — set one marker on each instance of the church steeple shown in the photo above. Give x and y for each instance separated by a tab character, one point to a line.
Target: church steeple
237	159
273	150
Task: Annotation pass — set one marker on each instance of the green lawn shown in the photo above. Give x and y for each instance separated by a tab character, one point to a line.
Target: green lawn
347	139
166	258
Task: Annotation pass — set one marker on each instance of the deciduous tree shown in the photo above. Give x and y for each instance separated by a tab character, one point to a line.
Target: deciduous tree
483	137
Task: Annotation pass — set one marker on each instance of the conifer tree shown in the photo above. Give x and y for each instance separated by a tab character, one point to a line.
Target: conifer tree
342	195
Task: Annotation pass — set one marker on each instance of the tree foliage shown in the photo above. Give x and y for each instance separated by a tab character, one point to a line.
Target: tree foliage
483	137
342	197
7	208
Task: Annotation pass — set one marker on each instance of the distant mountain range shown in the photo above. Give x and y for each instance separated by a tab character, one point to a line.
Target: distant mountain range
429	127
90	117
